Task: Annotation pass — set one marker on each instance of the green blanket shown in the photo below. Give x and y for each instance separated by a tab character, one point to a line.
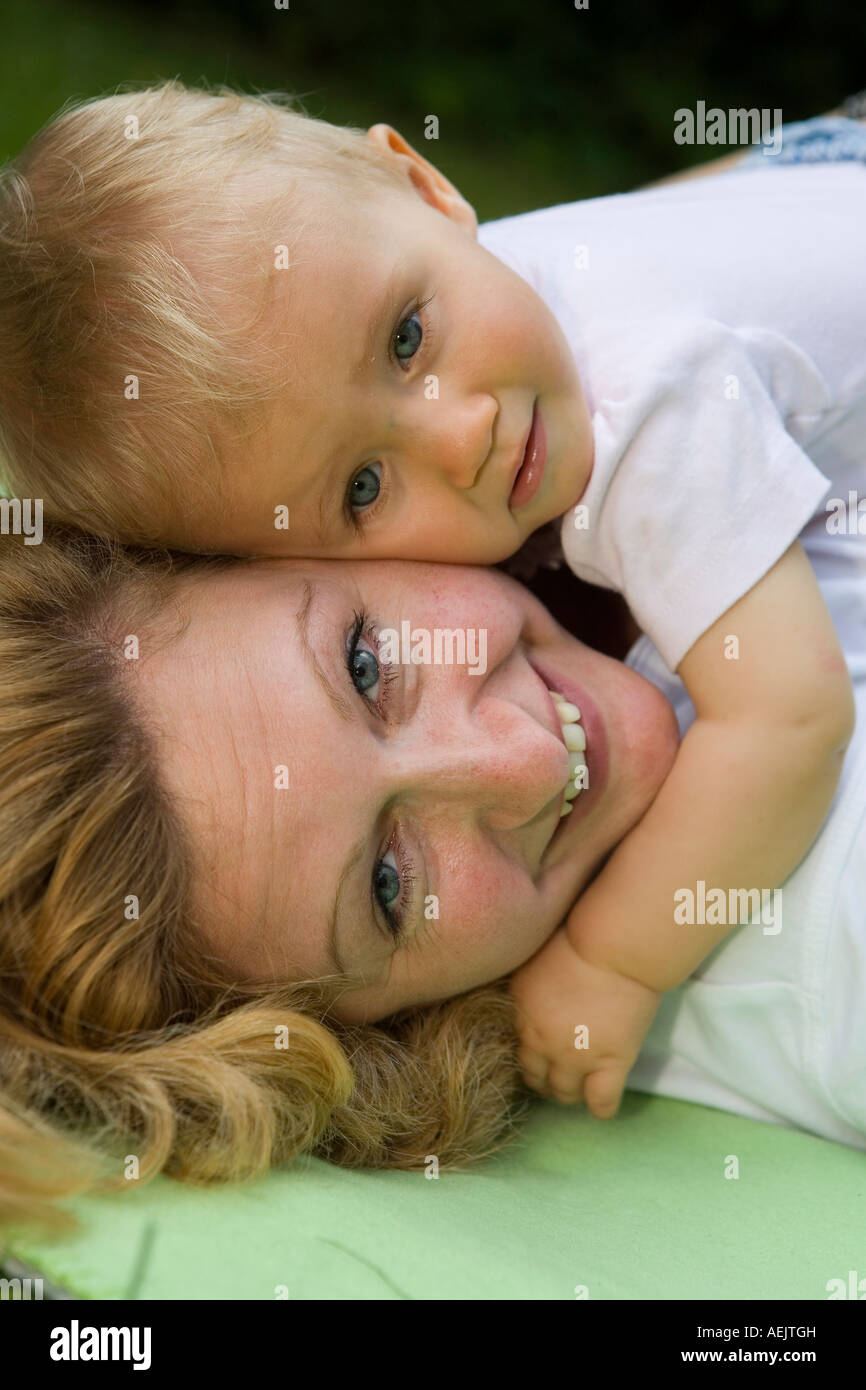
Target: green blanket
636	1207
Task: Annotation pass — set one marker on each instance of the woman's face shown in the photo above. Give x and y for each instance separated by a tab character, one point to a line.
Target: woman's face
335	800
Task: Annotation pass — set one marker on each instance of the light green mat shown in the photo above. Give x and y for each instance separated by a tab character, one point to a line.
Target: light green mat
636	1207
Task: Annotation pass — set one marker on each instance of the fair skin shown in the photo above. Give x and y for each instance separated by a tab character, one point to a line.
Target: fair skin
753	780
367	461
428	474
369	457
455	781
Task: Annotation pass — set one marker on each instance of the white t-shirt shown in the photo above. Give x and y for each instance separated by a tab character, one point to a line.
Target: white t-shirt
719	329
773	1026
754	280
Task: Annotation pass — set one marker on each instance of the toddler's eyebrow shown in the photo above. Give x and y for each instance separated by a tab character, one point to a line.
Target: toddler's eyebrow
330	502
333	523
325	528
385	310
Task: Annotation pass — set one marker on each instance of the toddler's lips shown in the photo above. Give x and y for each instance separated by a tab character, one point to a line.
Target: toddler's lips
531	470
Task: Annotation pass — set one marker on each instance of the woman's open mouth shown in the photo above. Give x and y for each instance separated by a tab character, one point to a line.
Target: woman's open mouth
574	738
585	737
531	471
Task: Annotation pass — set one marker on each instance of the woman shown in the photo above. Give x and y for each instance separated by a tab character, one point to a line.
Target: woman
210	781
216	821
191	775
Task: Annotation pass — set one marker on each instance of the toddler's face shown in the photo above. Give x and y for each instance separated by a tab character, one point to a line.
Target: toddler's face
433	409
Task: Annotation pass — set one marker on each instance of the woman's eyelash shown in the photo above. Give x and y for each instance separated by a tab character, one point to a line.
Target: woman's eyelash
396	918
364	626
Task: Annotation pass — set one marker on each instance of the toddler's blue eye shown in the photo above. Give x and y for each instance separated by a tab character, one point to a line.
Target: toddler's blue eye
408	338
364	487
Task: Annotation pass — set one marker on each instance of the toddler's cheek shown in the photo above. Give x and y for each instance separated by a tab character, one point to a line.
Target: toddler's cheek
459	536
523	322
517	331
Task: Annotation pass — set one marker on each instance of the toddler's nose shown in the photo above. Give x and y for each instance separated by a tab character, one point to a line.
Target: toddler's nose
458	439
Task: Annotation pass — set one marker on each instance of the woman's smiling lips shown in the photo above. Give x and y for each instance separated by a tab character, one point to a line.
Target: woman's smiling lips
596	753
531	470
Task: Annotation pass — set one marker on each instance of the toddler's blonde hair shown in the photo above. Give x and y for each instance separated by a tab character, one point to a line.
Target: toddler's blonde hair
128	350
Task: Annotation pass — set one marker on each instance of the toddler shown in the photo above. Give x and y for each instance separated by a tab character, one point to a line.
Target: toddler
226	326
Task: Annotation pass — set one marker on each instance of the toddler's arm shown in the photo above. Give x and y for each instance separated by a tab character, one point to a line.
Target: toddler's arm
751	784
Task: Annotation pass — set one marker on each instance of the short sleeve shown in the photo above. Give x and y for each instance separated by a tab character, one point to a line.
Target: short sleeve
699	484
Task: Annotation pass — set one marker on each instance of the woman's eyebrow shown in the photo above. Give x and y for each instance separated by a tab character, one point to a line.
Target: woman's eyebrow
302	617
349	868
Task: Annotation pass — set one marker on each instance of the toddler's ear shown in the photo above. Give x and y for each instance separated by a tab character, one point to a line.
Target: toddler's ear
427	181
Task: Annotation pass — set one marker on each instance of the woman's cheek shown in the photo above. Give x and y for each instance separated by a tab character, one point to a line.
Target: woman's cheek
493	917
469	909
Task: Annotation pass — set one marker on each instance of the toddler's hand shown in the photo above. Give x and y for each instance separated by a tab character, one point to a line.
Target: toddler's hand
558	993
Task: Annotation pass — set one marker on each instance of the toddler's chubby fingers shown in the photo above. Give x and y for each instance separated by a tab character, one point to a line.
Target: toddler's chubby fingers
566	1095
534	1068
566	1085
602	1092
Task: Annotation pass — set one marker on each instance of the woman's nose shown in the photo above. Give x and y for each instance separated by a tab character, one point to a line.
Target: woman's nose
498	766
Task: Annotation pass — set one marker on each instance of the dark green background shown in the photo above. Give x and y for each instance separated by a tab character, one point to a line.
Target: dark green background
538	103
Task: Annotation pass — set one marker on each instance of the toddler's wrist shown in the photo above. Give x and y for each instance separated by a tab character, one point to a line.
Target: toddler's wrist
584	941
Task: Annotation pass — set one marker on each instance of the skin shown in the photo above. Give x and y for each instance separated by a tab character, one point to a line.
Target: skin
367	461
459	775
427	770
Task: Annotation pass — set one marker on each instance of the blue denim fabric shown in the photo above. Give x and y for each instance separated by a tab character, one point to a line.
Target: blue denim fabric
822	140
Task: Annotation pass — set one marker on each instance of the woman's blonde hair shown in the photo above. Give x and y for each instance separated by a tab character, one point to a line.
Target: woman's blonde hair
128	345
121	1036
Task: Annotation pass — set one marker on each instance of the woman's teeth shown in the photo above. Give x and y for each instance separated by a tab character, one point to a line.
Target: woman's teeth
575	741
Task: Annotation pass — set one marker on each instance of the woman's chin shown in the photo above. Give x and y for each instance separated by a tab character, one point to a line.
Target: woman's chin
647	751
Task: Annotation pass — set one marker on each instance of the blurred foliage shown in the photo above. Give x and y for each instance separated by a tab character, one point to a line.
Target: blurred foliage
538	103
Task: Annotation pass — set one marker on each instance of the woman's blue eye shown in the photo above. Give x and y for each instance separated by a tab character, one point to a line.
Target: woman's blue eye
364	669
408	338
364	487
386	885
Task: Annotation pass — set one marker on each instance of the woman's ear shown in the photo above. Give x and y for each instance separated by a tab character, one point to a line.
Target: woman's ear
426	180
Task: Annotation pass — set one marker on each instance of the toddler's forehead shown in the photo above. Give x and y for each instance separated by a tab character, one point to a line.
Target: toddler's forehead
335	195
